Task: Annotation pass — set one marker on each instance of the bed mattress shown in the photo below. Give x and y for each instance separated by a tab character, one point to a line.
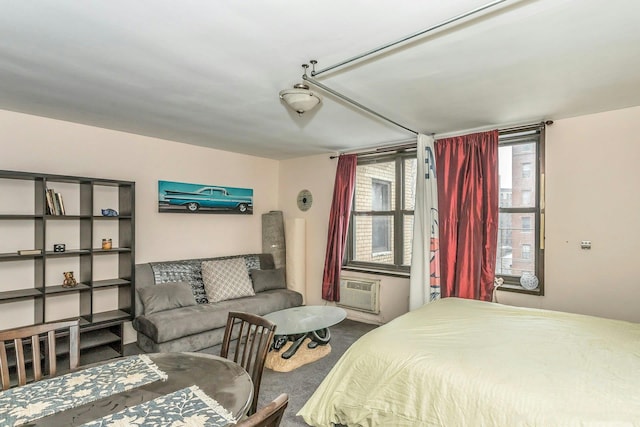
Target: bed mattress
457	362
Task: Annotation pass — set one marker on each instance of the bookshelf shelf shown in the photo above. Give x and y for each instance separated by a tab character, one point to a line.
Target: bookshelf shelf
48	209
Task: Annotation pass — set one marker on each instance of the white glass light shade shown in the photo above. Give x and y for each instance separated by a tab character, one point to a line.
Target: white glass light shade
300	98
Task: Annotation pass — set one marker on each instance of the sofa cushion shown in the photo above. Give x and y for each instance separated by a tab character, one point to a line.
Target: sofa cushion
166	296
226	279
181	271
264	280
168	325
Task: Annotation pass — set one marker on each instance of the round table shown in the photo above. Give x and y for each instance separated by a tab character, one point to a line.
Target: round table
222	379
307	321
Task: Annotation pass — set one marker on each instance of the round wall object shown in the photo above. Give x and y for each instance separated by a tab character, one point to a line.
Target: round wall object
528	281
305	199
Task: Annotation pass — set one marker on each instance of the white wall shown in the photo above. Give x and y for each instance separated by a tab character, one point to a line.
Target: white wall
36	144
593	171
592	177
317	174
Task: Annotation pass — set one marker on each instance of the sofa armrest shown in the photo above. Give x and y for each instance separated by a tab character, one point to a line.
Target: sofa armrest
144	279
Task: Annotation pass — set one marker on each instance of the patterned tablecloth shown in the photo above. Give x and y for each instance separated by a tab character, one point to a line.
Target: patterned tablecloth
189	406
186	407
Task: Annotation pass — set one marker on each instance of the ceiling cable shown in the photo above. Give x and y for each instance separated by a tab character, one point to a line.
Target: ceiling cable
409	37
356	103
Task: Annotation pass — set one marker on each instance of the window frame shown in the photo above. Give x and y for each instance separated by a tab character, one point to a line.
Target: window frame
398	215
537	135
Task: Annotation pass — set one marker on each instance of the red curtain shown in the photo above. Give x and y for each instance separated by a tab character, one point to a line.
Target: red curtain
338	225
467	170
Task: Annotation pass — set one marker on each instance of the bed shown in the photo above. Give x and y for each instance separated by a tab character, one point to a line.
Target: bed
457	362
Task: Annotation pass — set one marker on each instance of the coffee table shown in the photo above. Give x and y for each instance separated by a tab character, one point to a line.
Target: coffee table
298	323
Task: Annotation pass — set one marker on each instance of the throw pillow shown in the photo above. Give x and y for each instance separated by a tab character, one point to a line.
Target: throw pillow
166	296
264	280
181	271
226	279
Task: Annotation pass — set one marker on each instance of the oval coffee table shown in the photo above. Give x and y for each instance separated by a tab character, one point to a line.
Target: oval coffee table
298	323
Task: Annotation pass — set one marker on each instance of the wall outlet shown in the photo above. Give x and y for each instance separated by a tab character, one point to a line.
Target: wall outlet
585	244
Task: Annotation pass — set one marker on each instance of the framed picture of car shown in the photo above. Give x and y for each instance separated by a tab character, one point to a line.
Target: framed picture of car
181	197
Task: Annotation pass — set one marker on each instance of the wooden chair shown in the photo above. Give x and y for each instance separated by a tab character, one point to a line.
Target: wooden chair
247	339
267	416
33	332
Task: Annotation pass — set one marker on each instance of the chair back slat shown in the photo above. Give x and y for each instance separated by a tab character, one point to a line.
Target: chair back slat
4	366
74	346
35	334
249	347
20	365
267	416
35	358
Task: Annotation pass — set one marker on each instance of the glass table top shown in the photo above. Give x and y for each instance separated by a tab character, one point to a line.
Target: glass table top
300	320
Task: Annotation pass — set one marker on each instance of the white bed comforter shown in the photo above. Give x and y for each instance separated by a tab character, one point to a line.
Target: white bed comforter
459	362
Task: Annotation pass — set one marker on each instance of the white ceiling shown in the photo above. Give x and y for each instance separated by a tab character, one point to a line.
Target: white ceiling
208	72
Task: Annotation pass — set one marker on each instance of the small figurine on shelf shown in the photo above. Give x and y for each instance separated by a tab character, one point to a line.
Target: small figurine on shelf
106	244
69	280
109	212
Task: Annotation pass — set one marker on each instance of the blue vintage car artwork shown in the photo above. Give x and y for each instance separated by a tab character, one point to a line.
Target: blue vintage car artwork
184	197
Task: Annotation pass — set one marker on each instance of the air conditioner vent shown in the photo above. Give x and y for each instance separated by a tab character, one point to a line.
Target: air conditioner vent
360	294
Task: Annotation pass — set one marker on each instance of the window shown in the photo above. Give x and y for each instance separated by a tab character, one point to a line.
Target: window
381	225
521	212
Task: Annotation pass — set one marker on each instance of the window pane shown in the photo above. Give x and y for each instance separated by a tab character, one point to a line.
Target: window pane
380	195
408	239
517	177
370	180
516	241
410	184
373	239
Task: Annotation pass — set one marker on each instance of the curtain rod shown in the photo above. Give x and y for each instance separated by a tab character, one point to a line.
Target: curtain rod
409	37
406	145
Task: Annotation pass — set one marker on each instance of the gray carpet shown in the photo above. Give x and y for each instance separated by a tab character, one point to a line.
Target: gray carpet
302	382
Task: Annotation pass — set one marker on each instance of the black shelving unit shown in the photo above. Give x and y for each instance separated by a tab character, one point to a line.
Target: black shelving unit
101	323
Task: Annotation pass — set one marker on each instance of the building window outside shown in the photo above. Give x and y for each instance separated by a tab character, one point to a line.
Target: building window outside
381	225
521	166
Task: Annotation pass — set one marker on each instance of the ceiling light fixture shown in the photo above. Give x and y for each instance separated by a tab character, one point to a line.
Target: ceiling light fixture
300	98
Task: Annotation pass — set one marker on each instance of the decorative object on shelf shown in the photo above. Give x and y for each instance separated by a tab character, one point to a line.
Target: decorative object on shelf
305	200
59	247
106	244
109	212
55	205
528	280
180	197
69	281
29	252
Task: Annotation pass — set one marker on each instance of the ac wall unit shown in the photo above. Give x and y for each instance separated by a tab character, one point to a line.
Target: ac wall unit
360	294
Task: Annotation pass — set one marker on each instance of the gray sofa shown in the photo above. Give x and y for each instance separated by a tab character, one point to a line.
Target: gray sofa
186	324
